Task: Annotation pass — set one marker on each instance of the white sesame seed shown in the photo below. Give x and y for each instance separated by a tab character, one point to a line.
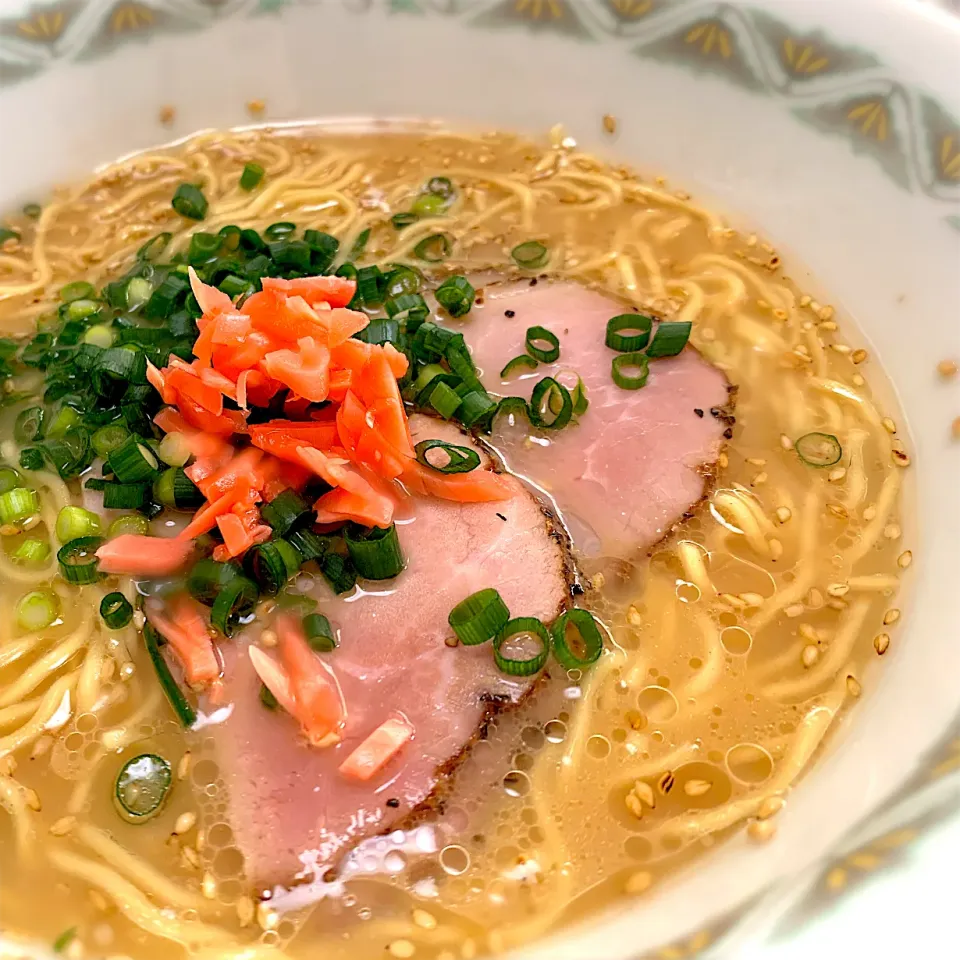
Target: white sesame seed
794	610
810	656
783	514
402	949
185	823
891	617
639	882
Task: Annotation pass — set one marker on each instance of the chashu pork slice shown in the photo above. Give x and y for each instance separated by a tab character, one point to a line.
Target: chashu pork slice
292	812
637	460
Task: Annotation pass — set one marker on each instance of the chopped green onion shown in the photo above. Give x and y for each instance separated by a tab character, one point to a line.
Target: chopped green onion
190	202
410	309
133	461
323	249
18	504
456	296
116	611
31	458
181	706
251	176
79	290
542	344
444	399
308	544
142	786
202	247
458	459
319	633
477	407
521	647
628	332
267	698
512	408
380	331
402	280
338	571
82	310
173	488
154	247
7	234
70	455
428	205
37	610
124	496
280	231
29	425
74	522
441	187
291	254
138	292
479	618
669	339
819	449
272	564
131	523
32	552
360	244
577	640
530	255
78	560
173	449
368	285
236	601
286	511
401	220
551	405
32	210
523	362
209	577
623	365
435	248
251	241
579	396
99	336
109	438
64	940
9	478
66	419
375	552
234	286
229	237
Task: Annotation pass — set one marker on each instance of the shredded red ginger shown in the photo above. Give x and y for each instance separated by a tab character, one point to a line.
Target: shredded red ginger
296	335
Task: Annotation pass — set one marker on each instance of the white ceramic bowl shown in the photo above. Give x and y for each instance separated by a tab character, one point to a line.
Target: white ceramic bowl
830	125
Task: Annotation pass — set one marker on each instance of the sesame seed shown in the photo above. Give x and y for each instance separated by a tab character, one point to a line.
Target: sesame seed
190	856
900	457
783	514
840	347
947	368
402	949
786	442
889	425
167	114
770	807
838	589
759	479
32	798
857	380
825	313
892	531
245	911
639	882
761	831
267	917
634	805
633	616
891	616
752	599
185	823
905	559
837	474
644	792
63	826
853	686
881	643
808	632
794	610
610	123
697	788
208	886
858	356
256	106
183	767
810	655
268	638
425	920
776	548
757	461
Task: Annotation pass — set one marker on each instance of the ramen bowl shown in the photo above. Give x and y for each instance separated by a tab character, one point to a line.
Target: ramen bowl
831	130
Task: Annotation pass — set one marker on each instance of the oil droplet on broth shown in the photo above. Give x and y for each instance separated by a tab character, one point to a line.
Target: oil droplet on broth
658	704
598	747
555	731
736	641
749	763
687	592
454	859
516	784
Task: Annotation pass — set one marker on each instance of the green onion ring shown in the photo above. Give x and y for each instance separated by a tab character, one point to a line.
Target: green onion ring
523	362
512	628
538	335
235	601
625	361
819	449
78	560
590	636
626	342
434	248
376	552
531	255
479	618
548	390
462	459
116	610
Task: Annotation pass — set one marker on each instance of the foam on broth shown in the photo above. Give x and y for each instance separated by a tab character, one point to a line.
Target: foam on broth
736	641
